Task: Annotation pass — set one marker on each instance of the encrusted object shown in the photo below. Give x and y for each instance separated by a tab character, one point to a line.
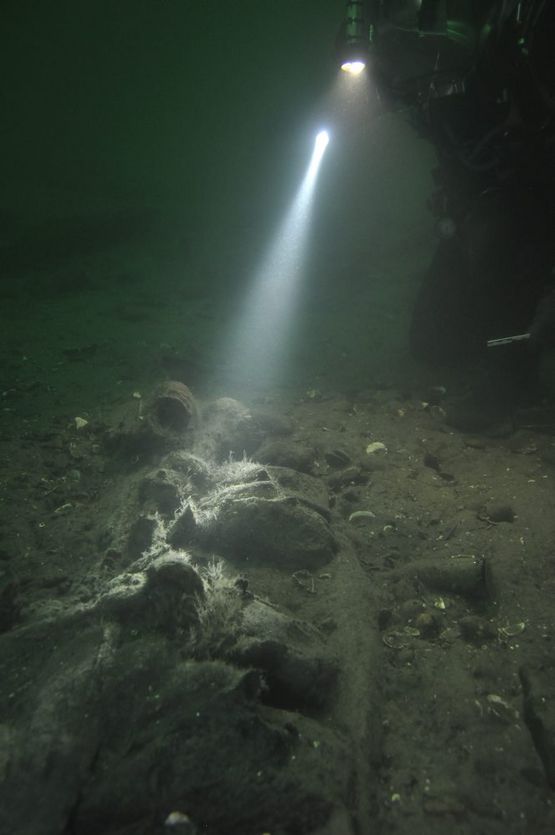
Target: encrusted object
172	408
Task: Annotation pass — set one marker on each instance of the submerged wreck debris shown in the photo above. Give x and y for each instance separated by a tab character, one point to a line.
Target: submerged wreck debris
172	409
186	673
234	646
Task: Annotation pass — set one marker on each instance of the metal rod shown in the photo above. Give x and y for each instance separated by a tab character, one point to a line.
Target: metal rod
508	340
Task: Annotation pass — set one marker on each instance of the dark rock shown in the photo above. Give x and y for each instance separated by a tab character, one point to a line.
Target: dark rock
50	742
539	716
478	411
160	492
337	458
196	471
271	424
477	630
141	536
500	513
111	731
174	574
10	606
469	576
385	618
203	724
294	681
428	624
289	653
123	598
431	461
135	437
160	593
410	609
269	530
288	454
348	476
303	487
182	533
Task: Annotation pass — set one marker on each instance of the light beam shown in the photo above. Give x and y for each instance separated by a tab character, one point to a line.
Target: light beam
259	343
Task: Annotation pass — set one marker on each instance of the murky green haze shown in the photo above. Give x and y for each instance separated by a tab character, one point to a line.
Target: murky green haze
151	151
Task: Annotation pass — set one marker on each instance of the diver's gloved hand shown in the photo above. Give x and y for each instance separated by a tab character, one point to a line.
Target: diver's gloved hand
542	329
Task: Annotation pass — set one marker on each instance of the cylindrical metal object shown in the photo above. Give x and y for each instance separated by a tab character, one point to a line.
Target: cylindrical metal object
172	408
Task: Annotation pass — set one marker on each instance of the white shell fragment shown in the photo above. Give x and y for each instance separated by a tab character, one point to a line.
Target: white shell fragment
359	515
80	422
181	820
512	629
375	446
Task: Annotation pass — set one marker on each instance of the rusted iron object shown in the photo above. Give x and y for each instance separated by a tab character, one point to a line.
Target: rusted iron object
172	408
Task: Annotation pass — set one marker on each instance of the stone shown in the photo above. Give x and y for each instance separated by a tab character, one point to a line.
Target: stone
173	572
141	535
183	531
160	492
477	630
271	530
287	454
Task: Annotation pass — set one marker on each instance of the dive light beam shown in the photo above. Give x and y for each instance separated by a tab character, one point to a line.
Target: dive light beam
259	343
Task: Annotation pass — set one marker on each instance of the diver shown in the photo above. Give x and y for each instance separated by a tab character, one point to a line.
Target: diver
479	82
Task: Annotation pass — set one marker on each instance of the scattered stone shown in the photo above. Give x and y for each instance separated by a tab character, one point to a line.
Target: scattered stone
305	488
469	576
141	536
385	619
160	492
271	531
431	461
174	573
539	716
161	593
272	424
197	472
350	475
288	454
10	606
337	458
477	630
474	442
296	672
182	533
500	513
123	597
428	624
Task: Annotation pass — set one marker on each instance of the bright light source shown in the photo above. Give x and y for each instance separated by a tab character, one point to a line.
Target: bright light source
353	67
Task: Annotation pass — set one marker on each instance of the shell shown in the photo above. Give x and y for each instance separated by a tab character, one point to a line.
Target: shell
375	446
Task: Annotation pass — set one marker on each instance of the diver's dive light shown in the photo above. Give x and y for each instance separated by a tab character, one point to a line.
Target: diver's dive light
354	38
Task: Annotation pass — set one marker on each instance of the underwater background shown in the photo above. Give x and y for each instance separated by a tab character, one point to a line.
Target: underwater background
150	153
